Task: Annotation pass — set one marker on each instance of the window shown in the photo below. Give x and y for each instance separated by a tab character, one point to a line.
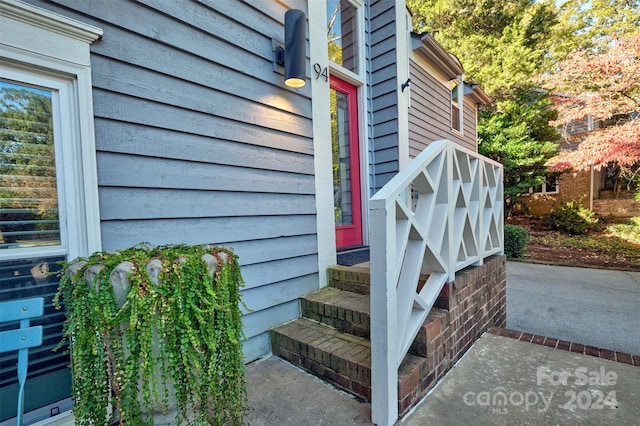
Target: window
457	102
343	34
29	194
48	182
550	186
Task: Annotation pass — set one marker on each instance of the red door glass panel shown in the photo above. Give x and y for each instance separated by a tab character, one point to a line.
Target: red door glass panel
346	163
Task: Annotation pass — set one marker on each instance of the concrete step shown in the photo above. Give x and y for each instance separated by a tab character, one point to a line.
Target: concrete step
345	360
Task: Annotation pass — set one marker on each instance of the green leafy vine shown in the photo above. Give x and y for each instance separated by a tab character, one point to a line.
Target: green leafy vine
175	338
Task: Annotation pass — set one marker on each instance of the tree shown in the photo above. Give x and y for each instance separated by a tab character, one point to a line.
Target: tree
590	20
516	133
500	43
602	82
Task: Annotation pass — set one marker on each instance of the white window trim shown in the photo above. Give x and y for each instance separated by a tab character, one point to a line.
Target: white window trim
339	70
51	50
544	191
402	48
460	88
322	158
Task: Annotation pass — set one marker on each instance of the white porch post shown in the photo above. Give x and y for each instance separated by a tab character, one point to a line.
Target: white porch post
384	344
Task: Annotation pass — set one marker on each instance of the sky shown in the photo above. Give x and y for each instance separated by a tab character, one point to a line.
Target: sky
10	85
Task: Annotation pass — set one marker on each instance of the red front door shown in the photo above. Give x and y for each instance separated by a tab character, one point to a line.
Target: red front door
346	163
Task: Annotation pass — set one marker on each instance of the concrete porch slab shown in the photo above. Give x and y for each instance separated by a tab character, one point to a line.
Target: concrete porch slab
283	395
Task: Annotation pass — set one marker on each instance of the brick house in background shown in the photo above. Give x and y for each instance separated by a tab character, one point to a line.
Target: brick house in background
593	189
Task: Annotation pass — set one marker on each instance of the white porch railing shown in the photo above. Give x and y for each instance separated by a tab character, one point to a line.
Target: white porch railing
443	212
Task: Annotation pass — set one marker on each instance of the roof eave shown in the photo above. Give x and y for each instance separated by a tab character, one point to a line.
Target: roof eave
427	46
476	92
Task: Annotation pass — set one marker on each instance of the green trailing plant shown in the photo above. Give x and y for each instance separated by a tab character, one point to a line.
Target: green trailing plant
571	218
175	339
515	241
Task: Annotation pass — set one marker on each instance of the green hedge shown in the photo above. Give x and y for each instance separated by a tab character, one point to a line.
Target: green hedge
515	241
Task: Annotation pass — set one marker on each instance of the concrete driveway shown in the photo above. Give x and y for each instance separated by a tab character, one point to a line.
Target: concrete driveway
594	307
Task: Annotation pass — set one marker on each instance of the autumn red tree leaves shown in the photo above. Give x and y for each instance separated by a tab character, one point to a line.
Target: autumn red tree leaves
603	83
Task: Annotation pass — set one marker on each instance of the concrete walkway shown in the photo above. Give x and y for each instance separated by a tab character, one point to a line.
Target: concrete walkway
594	307
501	380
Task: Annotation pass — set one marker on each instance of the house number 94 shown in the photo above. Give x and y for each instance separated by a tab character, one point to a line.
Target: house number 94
320	72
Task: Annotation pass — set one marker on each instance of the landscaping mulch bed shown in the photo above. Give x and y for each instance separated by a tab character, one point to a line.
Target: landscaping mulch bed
554	248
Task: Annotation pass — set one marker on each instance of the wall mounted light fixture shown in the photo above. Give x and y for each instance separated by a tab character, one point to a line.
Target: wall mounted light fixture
294	53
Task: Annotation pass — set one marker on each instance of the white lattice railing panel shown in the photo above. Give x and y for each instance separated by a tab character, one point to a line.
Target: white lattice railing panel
440	214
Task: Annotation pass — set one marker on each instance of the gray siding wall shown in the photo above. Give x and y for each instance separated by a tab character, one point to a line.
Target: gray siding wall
198	141
574	132
383	93
430	113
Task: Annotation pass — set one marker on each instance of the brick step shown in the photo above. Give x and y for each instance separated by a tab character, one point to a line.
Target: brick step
350	313
345	360
345	311
349	278
340	358
355	279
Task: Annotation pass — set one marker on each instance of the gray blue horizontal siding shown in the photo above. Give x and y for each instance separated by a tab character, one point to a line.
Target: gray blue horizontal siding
383	93
198	141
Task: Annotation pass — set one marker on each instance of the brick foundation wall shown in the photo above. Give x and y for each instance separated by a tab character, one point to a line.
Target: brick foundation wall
477	301
433	346
618	207
465	309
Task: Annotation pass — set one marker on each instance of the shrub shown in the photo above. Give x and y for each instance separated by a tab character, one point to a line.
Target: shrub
571	219
515	241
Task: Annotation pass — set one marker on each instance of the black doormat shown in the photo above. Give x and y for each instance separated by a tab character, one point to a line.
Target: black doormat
353	257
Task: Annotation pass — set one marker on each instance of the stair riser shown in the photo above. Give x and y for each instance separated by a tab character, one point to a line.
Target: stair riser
343	319
337	359
358	280
351	279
